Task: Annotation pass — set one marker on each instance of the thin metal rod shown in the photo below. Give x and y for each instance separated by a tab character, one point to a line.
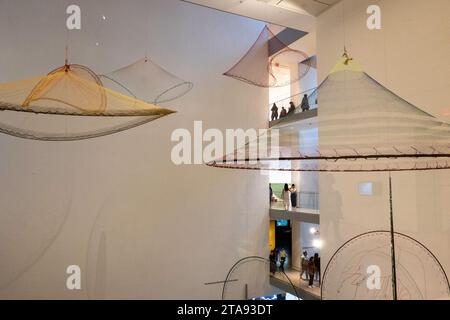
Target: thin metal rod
66	60
246	291
220	282
391	213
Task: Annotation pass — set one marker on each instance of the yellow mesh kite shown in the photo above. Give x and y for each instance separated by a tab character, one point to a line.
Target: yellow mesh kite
68	96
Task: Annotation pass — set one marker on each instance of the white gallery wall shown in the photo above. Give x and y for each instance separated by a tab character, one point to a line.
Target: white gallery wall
409	56
136	224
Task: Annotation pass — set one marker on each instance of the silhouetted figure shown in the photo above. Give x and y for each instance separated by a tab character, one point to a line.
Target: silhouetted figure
293	196
273	262
317	265
311	271
274	112
283	112
291	108
270	192
305	103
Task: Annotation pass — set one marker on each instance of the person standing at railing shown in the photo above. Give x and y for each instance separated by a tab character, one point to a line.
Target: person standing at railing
286	196
293	191
274	112
291	108
273	262
270	193
283	112
305	103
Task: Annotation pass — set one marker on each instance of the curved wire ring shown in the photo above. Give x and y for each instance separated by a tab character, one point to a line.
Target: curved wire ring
252	258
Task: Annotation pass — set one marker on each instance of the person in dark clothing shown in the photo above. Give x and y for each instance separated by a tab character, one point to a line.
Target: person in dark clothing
291	108
270	192
283	112
274	112
305	103
293	196
311	272
317	265
273	262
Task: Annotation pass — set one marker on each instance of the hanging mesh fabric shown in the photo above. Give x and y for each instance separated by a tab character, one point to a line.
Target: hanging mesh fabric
148	81
70	103
257	66
362	126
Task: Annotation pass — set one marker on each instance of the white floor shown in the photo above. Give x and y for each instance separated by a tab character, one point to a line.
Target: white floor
294	276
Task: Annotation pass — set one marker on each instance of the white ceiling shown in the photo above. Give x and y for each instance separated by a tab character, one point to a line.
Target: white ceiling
296	14
264	10
313	7
287	13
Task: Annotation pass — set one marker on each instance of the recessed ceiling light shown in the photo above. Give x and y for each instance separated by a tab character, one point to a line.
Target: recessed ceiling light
97	44
103	17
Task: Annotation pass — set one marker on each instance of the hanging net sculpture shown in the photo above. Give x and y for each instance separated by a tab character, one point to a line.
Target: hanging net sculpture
70	103
362	126
258	66
148	81
419	274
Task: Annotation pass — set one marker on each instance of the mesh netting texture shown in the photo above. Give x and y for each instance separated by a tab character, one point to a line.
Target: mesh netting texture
148	81
70	103
361	126
257	66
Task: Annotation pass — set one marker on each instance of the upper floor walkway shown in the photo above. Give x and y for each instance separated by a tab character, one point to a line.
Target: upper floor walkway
299	113
307	210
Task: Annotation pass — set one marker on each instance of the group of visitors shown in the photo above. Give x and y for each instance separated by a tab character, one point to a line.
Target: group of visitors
289	196
310	268
283	113
274	255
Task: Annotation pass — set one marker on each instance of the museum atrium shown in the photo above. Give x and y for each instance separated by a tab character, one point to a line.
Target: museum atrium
225	149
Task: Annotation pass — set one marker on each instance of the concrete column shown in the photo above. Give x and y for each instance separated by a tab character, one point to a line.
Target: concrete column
296	245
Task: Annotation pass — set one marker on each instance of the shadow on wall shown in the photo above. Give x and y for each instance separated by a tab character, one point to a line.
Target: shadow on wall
31	216
333	200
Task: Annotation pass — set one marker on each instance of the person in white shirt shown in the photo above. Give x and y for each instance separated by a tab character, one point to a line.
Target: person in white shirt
304	265
286	196
283	256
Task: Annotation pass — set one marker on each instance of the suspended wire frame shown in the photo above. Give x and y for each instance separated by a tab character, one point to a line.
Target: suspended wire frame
362	127
344	275
249	264
258	66
69	103
148	81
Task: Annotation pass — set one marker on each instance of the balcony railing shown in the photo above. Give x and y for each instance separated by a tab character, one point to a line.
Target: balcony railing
308	200
297	100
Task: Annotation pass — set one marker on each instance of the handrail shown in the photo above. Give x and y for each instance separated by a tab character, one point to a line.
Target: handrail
300	93
297	100
308	199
